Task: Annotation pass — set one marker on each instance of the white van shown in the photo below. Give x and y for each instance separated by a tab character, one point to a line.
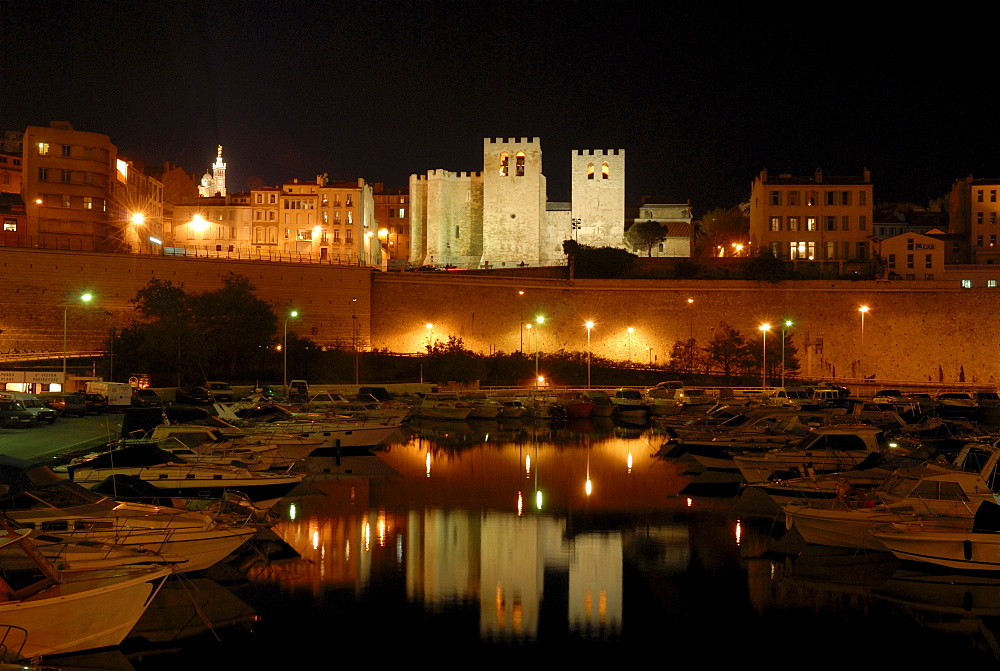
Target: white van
36	406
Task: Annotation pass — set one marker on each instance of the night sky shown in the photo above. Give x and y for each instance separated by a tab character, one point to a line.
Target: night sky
701	97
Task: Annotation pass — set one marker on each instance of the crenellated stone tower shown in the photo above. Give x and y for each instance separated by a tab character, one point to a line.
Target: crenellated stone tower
598	196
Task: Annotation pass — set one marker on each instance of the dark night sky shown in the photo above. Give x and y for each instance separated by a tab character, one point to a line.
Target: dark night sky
701	97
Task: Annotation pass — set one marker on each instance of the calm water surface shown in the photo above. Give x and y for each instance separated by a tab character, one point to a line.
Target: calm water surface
485	544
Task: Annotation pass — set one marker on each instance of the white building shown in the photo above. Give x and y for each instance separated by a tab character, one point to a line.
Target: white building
501	217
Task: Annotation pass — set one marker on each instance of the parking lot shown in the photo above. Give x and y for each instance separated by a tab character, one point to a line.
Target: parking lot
67	434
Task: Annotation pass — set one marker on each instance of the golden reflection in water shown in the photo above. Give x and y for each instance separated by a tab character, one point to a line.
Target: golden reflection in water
739	531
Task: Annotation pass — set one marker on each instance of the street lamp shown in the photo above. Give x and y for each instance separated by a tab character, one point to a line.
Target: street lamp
690	347
539	320
764	328
630	332
284	349
86	299
787	325
863	310
520	319
589	325
430	335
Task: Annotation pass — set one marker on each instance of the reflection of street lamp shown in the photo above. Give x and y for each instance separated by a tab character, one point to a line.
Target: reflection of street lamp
764	328
284	349
630	332
86	299
863	310
589	325
788	324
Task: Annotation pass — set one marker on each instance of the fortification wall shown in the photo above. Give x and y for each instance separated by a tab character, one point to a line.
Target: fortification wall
40	285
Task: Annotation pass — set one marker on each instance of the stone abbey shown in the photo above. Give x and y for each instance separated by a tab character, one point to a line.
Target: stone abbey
501	216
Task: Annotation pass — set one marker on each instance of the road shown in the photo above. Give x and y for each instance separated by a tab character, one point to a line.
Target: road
67	434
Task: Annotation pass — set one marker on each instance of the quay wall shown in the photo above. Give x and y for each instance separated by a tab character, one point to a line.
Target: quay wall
919	331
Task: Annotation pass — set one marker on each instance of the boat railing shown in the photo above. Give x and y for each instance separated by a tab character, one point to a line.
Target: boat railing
12	640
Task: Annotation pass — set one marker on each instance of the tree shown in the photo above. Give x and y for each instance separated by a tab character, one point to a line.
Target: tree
728	350
646	234
756	350
721	228
238	328
763	266
687	357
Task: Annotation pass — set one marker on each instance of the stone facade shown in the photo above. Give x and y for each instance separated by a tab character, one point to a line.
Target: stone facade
501	217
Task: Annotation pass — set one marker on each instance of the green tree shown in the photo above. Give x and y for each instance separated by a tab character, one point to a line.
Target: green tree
763	266
238	328
728	351
687	357
721	228
646	234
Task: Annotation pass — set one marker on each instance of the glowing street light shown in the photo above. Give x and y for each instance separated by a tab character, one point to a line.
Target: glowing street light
430	335
764	328
538	320
589	326
520	319
788	324
863	310
86	298
284	349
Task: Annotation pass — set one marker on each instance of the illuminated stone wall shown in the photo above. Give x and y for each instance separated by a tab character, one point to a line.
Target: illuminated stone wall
599	201
915	331
513	201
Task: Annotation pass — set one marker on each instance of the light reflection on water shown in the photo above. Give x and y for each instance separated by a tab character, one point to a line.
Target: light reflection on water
437	539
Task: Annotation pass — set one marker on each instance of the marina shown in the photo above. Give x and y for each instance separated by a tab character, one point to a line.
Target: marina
503	539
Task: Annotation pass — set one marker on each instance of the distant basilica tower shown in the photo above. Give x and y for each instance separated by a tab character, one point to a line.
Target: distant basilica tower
214	182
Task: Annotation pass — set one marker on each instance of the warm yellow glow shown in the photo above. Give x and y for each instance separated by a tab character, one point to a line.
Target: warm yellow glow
690	300
381	526
541	379
628	461
315	539
538	500
589	488
138	218
292	511
863	308
690	502
520	504
540	320
317	229
122	170
739	532
198	223
590	325
366	533
631	330
765	327
429	326
38	201
527	464
383	231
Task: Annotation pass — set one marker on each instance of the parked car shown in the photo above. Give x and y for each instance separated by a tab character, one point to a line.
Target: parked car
74	403
13	414
97	403
37	407
193	396
220	391
146	398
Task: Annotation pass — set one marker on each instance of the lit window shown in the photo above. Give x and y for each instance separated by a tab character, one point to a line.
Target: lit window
504	164
402	213
88	203
350	217
43	148
810	223
303	234
519	165
605	170
775	223
991	284
10	225
966	284
590	171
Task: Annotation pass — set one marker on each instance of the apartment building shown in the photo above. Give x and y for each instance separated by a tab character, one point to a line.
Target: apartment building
392	216
68	186
815	218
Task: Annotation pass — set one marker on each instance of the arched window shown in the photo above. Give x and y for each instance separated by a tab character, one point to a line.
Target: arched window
519	166
605	170
590	171
504	160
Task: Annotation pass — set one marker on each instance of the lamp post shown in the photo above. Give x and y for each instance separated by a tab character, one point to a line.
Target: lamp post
764	328
863	310
354	335
284	350
520	319
630	332
589	325
539	320
690	347
86	299
430	336
787	324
